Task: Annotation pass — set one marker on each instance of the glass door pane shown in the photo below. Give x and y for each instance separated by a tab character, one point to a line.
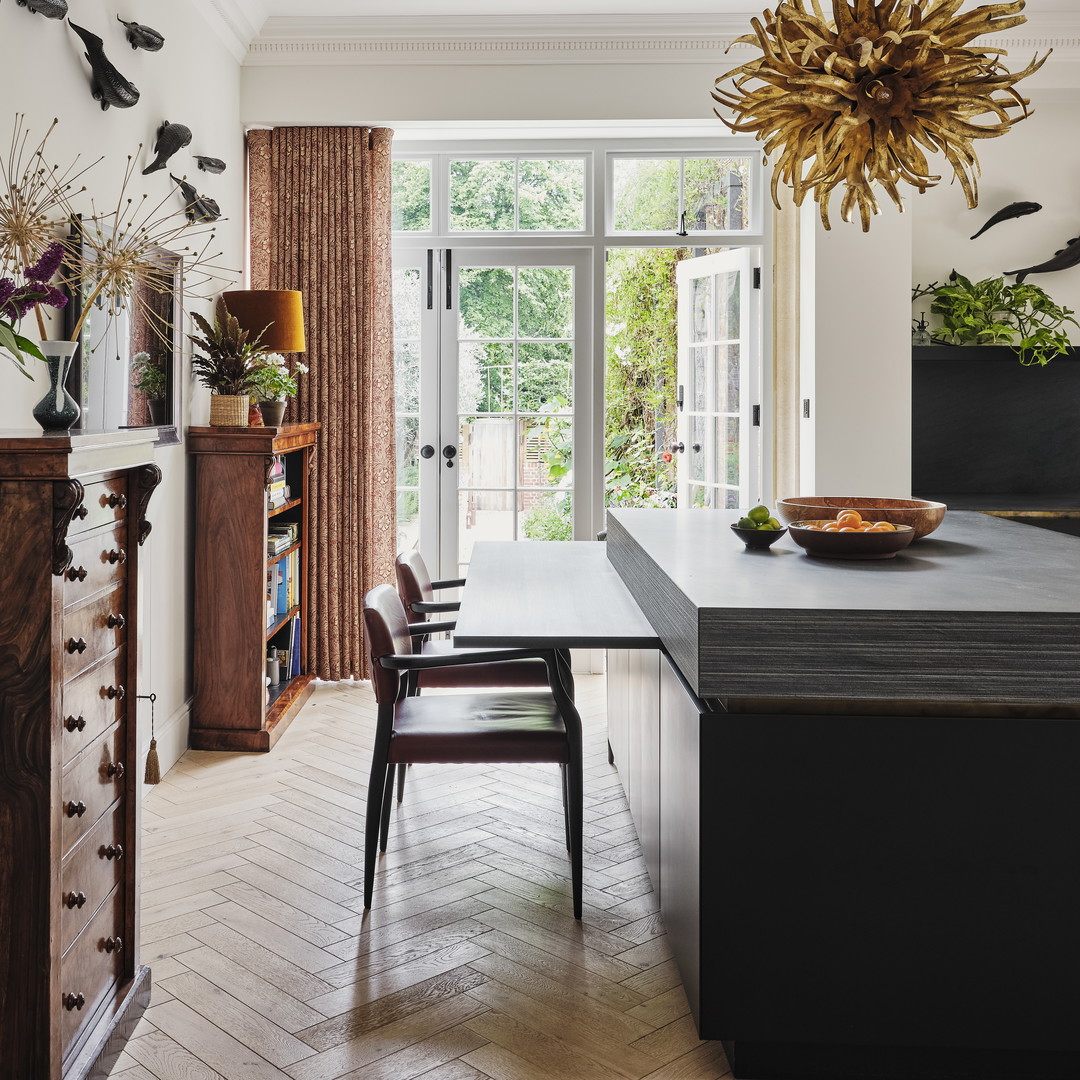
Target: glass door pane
511	343
718	465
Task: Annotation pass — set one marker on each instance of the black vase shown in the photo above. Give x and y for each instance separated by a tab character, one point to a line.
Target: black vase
57	410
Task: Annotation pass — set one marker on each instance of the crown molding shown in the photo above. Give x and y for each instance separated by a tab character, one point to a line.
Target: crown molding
557	39
236	23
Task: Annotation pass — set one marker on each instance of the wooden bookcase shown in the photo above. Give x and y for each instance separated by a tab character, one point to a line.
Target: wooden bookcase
232	634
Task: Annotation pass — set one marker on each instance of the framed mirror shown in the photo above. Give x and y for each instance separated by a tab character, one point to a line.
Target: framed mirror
127	372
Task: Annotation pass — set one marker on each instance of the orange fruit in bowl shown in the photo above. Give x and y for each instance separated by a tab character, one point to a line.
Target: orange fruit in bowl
849	518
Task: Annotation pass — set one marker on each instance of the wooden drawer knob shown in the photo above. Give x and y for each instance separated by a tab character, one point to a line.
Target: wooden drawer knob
74	1001
115	622
73	723
75	899
113	851
114	944
115	770
117	692
76	645
117	501
76	809
75	575
119	555
82	512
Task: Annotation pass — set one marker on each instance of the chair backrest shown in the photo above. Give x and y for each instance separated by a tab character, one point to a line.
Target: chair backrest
387	628
413	580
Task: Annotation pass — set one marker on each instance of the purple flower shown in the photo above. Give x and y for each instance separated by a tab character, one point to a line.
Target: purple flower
45	268
7	289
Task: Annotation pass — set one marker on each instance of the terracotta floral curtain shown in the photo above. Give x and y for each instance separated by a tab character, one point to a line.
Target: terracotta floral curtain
320	223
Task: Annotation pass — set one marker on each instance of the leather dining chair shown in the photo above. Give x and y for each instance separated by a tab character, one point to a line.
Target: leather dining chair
533	726
416	590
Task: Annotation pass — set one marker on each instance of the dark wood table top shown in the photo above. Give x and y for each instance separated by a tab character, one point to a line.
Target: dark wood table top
564	594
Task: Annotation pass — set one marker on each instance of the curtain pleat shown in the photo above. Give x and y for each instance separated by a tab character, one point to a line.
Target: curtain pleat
320	223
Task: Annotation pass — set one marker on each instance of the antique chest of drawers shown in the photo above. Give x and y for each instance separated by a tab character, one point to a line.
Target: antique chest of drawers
72	518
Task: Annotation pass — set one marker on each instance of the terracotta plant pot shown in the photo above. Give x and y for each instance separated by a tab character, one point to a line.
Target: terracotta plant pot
228	410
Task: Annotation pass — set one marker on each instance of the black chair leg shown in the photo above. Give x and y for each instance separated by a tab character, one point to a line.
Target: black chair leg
401	782
388	793
565	806
376	786
575	797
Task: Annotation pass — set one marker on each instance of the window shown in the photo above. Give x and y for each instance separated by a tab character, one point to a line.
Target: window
517	194
680	194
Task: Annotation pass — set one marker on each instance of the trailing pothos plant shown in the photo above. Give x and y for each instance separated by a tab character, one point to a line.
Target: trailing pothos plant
1021	317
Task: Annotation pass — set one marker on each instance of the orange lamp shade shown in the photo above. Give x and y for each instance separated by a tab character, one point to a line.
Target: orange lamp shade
281	311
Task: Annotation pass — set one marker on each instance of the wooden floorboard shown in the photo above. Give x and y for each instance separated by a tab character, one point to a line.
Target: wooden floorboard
469	965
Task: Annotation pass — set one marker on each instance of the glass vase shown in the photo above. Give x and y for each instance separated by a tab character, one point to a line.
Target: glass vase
57	410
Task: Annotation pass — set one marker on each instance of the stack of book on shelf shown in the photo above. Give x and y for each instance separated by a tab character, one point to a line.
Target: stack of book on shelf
282	587
281	535
277	491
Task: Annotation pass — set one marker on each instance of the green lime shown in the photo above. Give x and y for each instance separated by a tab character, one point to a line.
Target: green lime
747	523
759	514
774	524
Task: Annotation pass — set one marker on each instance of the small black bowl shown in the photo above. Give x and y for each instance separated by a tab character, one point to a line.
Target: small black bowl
758	538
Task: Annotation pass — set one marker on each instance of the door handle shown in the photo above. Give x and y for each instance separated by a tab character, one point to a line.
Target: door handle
449	451
427	450
678	448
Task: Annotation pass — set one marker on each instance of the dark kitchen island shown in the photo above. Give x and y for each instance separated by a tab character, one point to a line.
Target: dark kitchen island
856	787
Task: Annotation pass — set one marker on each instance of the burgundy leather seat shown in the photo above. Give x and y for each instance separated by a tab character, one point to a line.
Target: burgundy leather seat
540	726
417	592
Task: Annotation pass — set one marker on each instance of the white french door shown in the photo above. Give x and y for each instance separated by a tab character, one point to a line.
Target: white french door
491	344
718	452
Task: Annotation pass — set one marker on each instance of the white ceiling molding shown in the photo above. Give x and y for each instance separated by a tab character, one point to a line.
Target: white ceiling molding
235	22
479	40
557	39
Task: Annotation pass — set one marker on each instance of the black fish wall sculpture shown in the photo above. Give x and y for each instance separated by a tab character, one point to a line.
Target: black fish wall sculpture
210	164
1014	209
142	37
196	206
1063	258
170	138
51	9
108	85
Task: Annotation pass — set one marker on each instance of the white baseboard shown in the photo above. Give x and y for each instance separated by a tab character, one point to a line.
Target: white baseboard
172	739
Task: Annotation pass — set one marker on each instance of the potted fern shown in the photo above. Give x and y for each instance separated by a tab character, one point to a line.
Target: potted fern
226	361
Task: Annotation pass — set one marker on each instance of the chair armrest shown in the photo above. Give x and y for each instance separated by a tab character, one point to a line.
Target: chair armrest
422	629
422	607
448	583
416	662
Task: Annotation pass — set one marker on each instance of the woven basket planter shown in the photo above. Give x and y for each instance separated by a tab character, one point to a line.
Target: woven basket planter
228	410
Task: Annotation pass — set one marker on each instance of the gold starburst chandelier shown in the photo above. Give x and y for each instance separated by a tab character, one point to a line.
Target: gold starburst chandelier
858	99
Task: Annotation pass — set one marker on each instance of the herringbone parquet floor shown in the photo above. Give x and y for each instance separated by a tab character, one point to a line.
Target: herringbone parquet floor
469	964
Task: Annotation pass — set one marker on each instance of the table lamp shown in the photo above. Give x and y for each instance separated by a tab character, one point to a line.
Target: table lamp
281	311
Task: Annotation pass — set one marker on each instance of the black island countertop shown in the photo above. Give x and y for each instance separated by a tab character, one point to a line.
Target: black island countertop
984	611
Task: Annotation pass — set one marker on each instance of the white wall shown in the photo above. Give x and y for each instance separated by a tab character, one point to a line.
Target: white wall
192	80
1037	161
860	397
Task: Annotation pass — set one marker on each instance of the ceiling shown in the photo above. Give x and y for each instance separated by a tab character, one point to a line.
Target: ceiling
444	9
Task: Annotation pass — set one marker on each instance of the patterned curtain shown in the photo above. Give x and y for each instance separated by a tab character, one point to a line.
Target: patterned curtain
320	223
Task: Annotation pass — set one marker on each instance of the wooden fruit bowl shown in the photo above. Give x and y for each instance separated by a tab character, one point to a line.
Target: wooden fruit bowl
922	515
